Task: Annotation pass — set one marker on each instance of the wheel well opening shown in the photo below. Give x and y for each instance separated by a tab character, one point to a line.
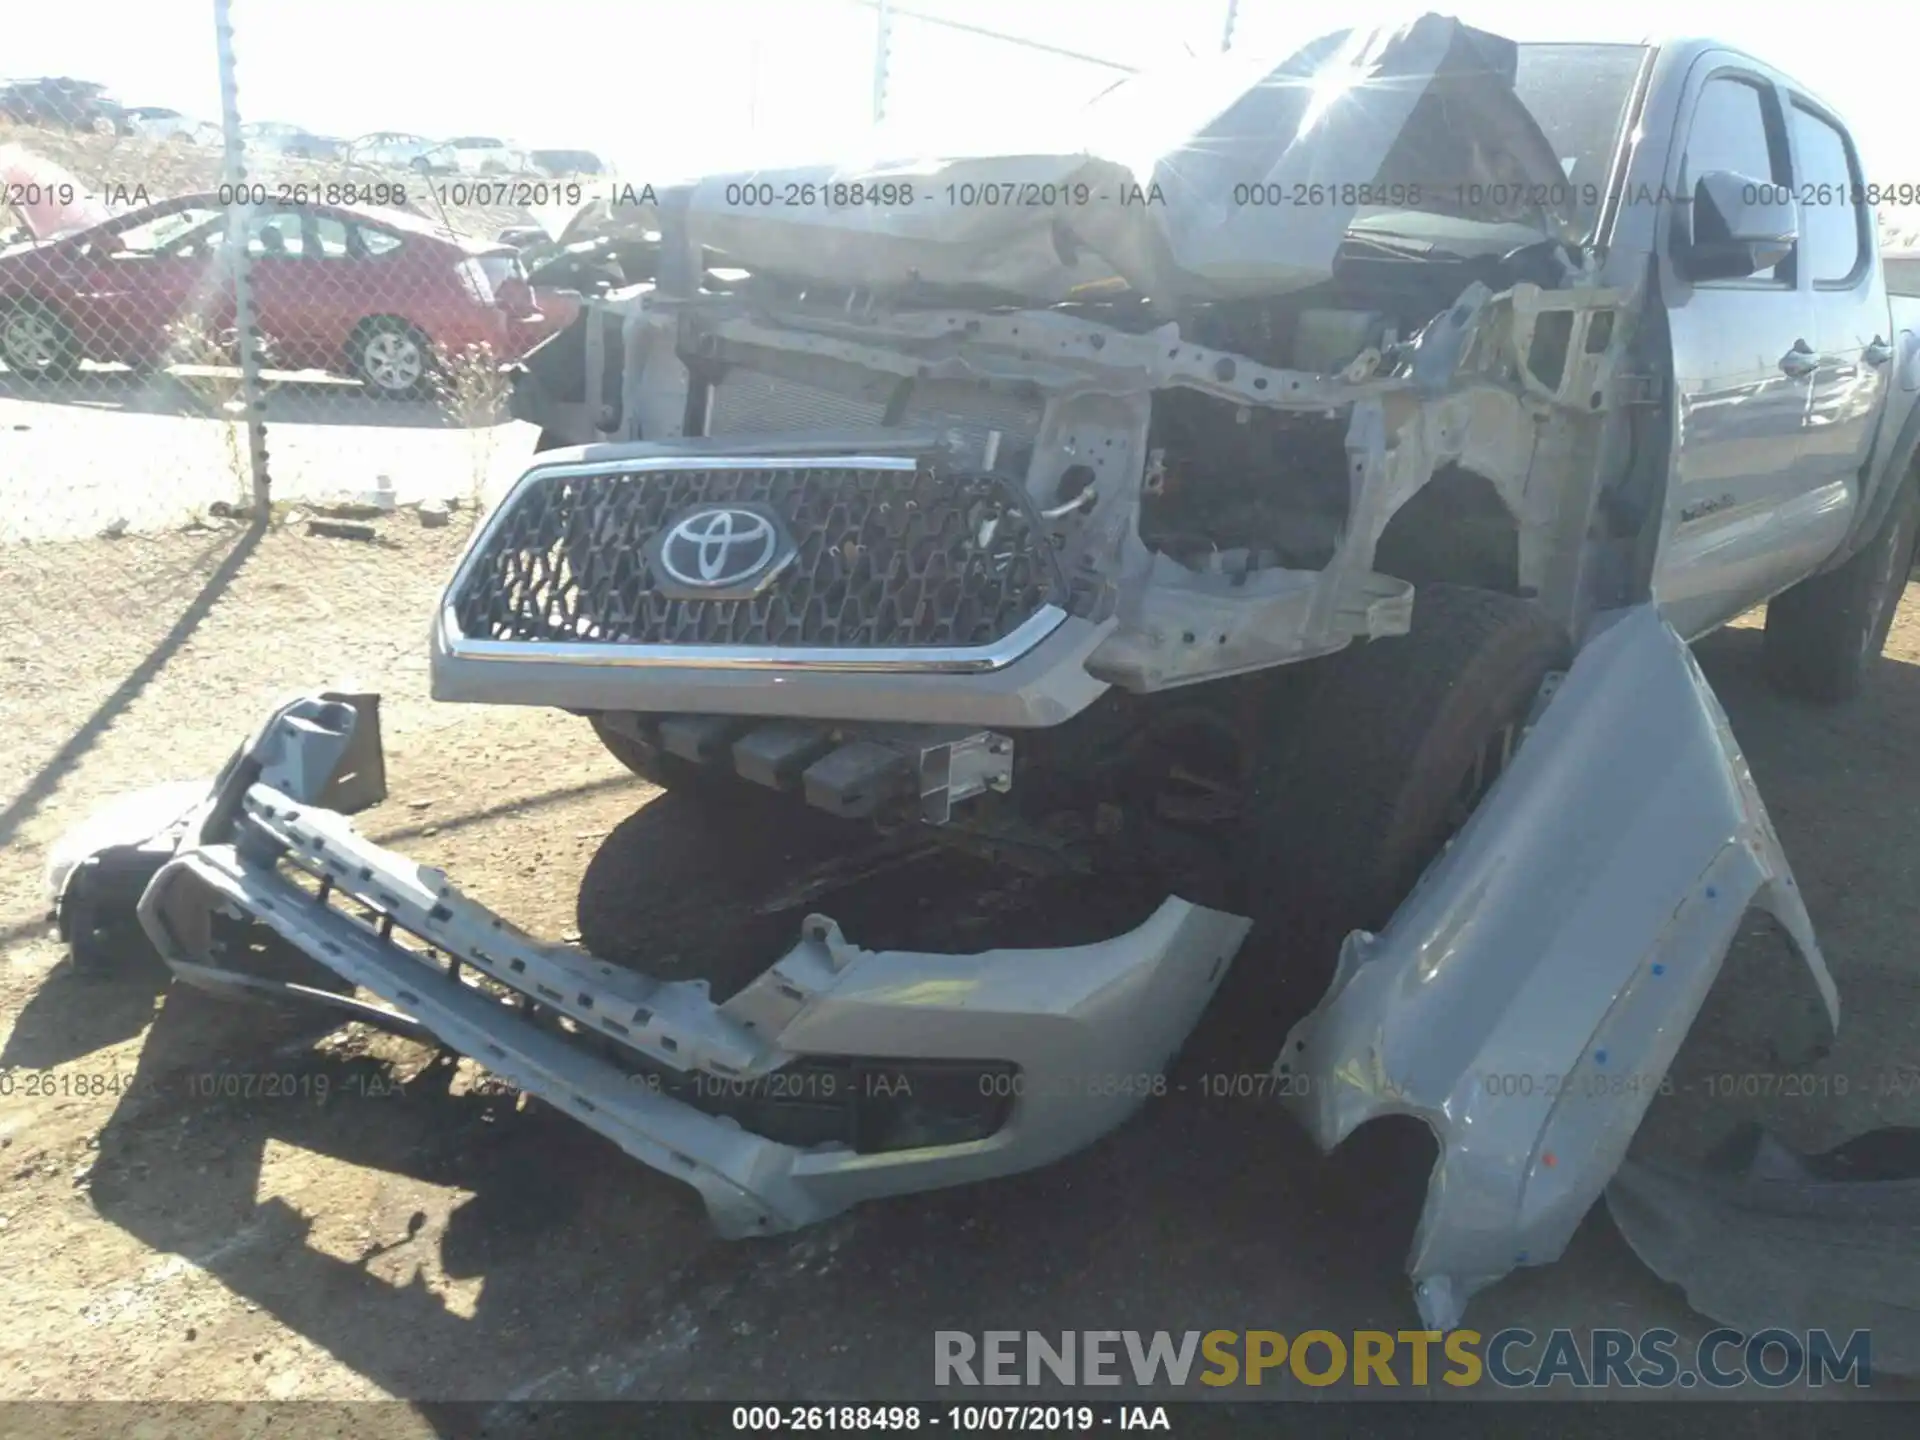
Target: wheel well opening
1457	530
1377	1179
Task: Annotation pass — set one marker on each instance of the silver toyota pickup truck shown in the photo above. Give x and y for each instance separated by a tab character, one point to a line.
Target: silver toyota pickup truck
1290	492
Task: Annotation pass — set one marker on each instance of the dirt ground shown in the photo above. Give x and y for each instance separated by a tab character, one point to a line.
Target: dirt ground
370	1222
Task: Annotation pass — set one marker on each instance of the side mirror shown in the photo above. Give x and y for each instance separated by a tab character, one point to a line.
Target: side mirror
1740	227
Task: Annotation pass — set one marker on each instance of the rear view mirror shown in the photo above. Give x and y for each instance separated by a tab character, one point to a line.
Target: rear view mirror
1740	227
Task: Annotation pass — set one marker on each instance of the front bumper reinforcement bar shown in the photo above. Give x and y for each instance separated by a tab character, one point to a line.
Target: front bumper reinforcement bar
1070	1030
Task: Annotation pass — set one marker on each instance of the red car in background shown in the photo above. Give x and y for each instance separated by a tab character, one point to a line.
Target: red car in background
371	293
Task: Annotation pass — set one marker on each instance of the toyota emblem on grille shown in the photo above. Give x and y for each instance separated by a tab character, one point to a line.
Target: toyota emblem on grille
722	550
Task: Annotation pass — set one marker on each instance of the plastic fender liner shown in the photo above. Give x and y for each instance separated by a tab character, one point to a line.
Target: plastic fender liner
1761	1236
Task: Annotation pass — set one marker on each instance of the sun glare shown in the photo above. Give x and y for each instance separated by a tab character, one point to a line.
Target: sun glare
1324	89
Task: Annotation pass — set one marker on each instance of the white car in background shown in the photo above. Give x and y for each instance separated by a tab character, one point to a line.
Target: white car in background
156	122
482	155
400	151
293	142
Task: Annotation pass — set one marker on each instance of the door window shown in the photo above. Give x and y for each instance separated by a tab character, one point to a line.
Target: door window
328	238
275	235
1833	221
1736	127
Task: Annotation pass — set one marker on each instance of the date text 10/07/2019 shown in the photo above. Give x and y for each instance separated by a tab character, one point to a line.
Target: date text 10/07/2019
899	194
955	1419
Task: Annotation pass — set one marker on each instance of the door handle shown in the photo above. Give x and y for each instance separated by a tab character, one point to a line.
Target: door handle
1800	361
1878	353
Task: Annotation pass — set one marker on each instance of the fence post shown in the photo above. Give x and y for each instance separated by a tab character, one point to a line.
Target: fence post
882	44
239	211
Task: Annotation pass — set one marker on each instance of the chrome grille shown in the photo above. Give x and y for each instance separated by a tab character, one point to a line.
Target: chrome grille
888	556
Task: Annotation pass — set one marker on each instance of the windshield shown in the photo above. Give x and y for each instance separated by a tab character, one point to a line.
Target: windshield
1578	94
157	234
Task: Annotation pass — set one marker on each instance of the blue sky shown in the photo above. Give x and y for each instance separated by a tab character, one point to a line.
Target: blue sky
666	87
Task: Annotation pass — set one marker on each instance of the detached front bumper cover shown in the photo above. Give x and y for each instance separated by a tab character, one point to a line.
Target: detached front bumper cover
1073	1028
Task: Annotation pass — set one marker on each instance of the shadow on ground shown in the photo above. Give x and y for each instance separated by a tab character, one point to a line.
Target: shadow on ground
233	549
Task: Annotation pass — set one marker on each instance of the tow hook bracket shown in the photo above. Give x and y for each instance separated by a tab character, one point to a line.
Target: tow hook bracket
960	769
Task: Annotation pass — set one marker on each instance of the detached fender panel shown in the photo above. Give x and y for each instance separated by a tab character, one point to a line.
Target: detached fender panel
1528	998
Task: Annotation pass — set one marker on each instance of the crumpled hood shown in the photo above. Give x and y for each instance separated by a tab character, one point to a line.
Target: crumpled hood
1225	178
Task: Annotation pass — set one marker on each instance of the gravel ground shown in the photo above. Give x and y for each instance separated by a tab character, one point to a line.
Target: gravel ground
420	1234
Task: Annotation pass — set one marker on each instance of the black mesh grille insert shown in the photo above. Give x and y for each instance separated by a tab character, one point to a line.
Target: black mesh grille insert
885	558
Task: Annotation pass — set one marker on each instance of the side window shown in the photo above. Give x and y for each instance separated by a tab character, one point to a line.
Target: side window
153	237
1736	127
1832	219
1730	132
377	242
328	238
274	234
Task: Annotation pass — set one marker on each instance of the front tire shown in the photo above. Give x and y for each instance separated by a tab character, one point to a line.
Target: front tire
679	889
1825	633
1394	747
670	772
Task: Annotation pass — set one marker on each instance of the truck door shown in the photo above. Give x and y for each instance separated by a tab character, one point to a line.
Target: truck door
1744	358
1853	336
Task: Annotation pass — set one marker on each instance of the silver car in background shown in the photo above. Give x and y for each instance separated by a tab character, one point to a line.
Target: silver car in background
292	142
398	150
482	155
156	122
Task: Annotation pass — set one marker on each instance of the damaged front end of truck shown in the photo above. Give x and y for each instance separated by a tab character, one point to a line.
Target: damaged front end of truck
892	476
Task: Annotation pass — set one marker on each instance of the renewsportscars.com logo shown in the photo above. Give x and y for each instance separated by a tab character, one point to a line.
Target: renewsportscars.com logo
1512	1358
